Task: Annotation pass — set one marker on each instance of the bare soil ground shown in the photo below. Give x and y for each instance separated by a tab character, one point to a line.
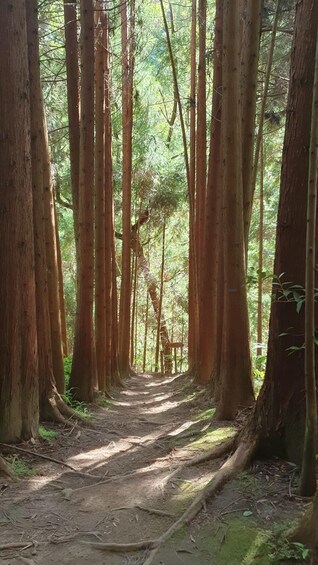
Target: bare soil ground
151	427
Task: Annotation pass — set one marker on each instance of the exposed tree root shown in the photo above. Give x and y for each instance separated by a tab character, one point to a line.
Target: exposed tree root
55	409
236	463
145	509
47	458
19	545
214	453
307	530
5	469
123	547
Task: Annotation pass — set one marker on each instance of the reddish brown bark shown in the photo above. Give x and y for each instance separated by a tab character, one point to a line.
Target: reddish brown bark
192	179
18	346
249	70
52	267
211	267
83	374
201	137
72	76
279	417
100	216
61	288
235	369
127	125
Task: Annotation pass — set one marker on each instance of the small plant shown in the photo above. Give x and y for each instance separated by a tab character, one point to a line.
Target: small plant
19	468
259	371
67	370
47	435
284	550
76	405
103	401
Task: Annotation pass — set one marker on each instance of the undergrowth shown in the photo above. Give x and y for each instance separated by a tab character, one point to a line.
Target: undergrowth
79	407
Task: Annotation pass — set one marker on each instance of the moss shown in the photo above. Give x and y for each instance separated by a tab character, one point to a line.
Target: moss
47	435
211	437
103	401
19	468
205	415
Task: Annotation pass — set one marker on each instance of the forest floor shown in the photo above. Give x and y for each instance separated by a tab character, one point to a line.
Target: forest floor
151	427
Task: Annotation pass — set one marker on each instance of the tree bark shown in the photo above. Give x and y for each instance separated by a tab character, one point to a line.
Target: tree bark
236	388
127	126
72	77
307	530
18	347
83	374
279	417
308	473
211	267
249	70
100	209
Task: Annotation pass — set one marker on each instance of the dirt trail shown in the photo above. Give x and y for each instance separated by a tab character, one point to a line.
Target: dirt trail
149	429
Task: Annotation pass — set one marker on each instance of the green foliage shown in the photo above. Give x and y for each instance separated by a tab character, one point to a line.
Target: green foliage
282	550
79	407
47	435
67	370
19	467
259	371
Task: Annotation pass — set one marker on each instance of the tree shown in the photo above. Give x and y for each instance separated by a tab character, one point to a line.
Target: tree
18	348
235	364
279	415
308	475
307	530
83	374
100	216
209	302
127	37
72	76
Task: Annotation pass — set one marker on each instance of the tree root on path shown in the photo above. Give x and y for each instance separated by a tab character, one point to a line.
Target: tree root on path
47	458
60	412
214	453
236	463
145	509
5	469
19	545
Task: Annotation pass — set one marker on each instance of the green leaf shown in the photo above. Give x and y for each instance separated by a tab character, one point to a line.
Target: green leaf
247	513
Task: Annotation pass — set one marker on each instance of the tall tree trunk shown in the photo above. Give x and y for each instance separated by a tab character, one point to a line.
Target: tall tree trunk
279	417
18	347
260	254
127	125
83	374
100	218
155	300
201	138
210	265
72	77
235	371
192	177
308	473
133	312
249	69
144	358
160	302
61	287
45	361
110	253
52	266
249	177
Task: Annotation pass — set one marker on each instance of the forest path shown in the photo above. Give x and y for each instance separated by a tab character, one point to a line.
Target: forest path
151	427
